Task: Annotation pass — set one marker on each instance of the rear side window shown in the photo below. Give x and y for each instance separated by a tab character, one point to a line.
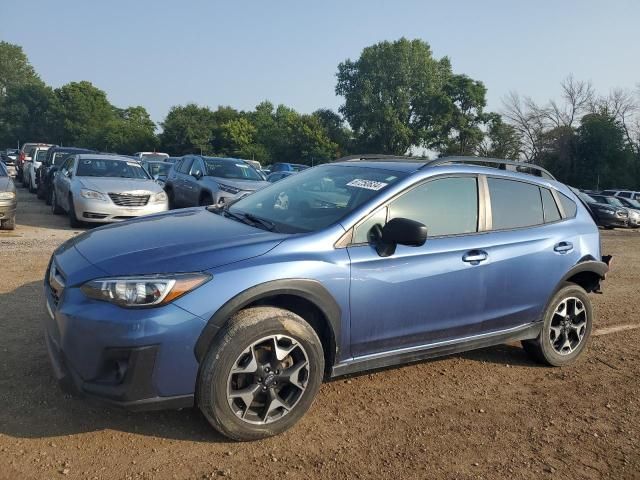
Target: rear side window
549	207
447	206
625	194
514	204
568	205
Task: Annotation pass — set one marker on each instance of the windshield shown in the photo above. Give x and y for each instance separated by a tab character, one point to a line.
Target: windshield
632	203
233	169
315	198
161	169
100	167
41	155
58	157
161	157
613	201
586	197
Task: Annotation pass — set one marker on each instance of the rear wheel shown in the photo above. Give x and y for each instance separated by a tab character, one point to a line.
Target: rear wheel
566	328
261	373
55	208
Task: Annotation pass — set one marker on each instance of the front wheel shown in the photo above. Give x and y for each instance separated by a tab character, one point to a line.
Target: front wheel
73	219
55	208
9	224
261	373
566	329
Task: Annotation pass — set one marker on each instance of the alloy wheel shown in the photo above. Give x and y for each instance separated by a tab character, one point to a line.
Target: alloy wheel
268	379
568	325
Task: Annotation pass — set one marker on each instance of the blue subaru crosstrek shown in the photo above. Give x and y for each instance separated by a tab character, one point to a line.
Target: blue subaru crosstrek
359	264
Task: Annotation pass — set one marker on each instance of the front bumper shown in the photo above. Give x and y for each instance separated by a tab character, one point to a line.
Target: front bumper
140	359
99	211
8	209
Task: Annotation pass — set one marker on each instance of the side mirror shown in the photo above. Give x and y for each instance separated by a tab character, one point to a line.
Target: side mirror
197	174
156	176
399	231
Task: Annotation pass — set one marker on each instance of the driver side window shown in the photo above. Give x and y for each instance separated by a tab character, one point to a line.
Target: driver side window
447	206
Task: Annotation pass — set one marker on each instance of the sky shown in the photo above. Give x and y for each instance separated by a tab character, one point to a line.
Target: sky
159	53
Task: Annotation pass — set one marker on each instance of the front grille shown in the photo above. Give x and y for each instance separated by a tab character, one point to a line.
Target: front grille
228	188
129	200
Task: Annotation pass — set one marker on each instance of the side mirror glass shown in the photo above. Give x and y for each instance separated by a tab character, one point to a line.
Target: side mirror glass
197	174
398	231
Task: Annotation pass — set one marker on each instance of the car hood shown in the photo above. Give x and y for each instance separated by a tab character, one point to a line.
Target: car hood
6	184
119	185
179	241
245	185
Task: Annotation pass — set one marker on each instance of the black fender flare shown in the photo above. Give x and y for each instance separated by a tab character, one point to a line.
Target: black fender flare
598	267
310	290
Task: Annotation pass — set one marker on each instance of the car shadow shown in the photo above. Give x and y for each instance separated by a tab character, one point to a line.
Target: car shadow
32	404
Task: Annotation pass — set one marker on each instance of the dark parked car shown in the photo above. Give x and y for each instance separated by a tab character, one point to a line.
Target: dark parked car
8	201
287	167
158	170
9	156
275	176
51	164
199	180
615	202
342	268
605	215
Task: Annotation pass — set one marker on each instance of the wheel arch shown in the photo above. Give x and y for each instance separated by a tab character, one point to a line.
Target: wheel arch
306	298
588	274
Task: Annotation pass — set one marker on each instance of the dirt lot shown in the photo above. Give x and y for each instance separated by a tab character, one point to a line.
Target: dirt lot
486	414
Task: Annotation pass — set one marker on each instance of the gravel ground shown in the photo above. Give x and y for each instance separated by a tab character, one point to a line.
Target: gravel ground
487	414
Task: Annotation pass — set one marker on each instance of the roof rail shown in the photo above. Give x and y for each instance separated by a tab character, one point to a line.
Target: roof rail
501	164
497	162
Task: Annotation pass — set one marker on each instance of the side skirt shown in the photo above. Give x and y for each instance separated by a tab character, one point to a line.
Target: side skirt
438	349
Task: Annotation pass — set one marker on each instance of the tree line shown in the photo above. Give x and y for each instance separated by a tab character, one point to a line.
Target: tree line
398	99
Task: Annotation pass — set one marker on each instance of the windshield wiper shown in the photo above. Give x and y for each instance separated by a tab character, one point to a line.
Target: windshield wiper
265	223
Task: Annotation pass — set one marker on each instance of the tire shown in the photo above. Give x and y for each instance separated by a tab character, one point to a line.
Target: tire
47	197
564	335
73	220
256	330
40	192
55	208
171	198
32	188
9	224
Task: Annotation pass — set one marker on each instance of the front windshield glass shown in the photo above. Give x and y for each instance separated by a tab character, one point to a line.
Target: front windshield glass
632	203
586	197
232	169
316	198
101	167
42	154
613	201
59	157
160	169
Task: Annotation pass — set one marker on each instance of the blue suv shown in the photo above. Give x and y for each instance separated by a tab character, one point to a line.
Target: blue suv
359	264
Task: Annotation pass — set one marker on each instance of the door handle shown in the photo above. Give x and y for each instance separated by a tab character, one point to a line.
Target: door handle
563	247
474	257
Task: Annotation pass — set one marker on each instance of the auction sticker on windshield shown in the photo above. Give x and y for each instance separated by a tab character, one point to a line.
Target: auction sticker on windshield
368	184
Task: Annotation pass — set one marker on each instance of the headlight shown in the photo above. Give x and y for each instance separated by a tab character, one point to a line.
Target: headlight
93	195
143	291
7	195
160	197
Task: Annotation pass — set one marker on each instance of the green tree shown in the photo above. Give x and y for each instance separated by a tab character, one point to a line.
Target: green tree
188	129
132	130
336	130
558	154
462	127
85	115
501	140
28	114
605	159
15	69
394	97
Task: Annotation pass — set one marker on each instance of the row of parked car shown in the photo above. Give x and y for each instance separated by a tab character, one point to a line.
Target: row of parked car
95	187
613	208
